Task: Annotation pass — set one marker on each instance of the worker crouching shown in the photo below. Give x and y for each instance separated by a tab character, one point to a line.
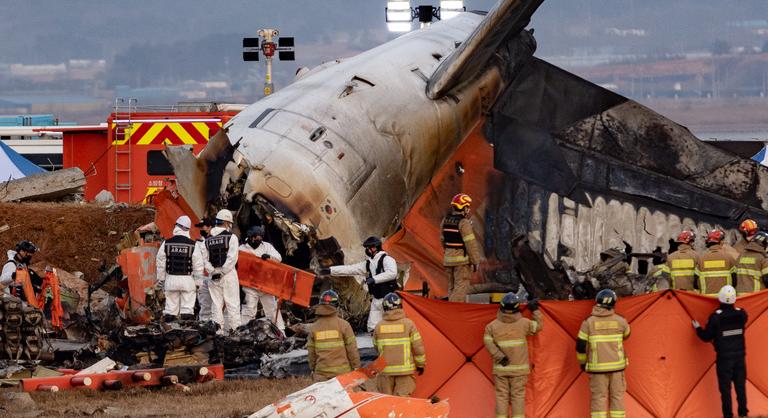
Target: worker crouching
398	341
600	351
506	340
331	347
178	262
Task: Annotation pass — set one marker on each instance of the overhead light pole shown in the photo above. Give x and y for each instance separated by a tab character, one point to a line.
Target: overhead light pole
284	48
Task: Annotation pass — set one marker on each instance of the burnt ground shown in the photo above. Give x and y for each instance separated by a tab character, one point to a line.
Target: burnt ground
70	236
233	398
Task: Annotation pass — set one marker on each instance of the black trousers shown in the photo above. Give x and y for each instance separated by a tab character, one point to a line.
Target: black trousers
732	369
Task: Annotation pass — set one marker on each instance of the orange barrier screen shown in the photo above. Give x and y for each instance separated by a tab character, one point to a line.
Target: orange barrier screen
281	280
168	208
671	372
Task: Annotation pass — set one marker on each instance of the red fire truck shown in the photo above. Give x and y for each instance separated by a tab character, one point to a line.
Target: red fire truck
124	156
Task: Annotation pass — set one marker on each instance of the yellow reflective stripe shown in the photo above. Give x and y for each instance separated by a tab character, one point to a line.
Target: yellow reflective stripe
581	357
511	343
402	368
598	414
609	366
534	327
487	338
420	359
764	271
715	273
683	263
334	369
468	237
326	335
350	339
456	259
713	264
678	273
583	335
392	341
615	413
510	367
391	328
415	336
747	260
611	338
329	344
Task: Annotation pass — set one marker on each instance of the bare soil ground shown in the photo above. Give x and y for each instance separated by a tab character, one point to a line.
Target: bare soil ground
70	236
233	398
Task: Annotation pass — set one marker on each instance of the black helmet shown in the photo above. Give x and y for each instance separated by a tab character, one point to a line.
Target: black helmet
606	298
372	242
26	246
761	237
392	301
329	297
510	303
255	230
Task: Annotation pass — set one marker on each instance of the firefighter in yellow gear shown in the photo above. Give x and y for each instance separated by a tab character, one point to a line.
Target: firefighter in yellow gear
716	267
600	351
462	249
331	347
506	340
680	268
752	266
398	341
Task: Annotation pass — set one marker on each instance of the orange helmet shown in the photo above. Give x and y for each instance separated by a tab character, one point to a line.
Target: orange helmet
461	201
749	227
715	236
686	237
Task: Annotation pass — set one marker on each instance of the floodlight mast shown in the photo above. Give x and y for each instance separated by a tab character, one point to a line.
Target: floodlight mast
284	47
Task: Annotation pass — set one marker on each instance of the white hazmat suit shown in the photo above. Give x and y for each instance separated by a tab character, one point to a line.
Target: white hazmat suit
225	292
253	296
179	288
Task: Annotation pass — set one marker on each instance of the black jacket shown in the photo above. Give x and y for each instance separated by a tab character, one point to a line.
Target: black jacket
725	329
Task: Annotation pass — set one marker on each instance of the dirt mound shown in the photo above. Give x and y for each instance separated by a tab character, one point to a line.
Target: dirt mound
70	236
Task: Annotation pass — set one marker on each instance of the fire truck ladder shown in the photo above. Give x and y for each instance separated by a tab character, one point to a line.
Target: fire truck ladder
122	144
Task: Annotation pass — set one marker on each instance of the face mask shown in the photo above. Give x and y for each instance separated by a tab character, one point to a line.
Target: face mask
370	251
255	243
203	233
26	259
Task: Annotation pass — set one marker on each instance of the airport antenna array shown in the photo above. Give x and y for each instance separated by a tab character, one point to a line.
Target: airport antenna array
284	48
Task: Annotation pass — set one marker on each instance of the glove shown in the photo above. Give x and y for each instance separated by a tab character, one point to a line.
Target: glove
583	367
420	370
325	271
533	305
265	257
504	361
369	281
215	277
474	267
696	324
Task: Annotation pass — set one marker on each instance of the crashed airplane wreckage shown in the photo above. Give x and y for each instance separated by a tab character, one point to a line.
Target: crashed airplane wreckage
376	144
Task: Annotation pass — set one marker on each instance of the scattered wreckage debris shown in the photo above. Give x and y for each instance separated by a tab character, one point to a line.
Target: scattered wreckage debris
338	397
22	331
53	185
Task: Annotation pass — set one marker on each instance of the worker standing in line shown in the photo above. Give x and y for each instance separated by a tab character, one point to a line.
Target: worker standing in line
725	328
600	351
220	255
380	270
17	265
462	250
399	342
680	267
716	267
747	229
752	267
331	346
255	244
178	263
202	281
506	340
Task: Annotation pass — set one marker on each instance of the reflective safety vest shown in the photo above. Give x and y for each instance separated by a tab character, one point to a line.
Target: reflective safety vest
604	333
218	247
750	269
332	347
399	342
451	234
506	337
680	268
178	255
715	269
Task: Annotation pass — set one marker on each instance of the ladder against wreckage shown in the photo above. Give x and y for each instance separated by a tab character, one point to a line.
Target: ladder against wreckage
121	142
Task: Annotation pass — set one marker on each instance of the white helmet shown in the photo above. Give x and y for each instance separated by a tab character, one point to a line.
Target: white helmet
727	295
184	222
224	215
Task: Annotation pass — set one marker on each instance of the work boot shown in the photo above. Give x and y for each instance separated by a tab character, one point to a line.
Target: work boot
187	317
169	318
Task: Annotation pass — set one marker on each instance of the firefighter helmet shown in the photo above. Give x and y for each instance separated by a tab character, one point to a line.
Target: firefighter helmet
727	294
715	236
686	237
329	297
748	227
761	238
224	215
461	201
606	298
510	303
392	301
26	246
372	242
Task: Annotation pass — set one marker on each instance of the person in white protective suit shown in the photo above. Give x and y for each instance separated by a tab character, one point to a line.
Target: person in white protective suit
380	271
256	245
220	255
178	262
202	281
